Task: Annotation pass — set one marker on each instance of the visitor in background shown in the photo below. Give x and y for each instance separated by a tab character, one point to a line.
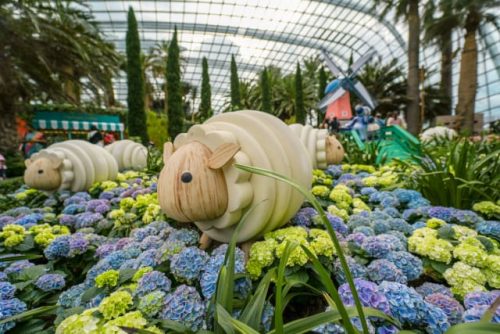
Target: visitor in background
333	125
95	136
395	119
3	168
109	138
33	142
379	120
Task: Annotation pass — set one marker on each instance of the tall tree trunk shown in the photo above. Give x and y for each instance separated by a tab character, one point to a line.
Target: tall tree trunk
413	113
467	84
8	127
71	86
446	84
110	93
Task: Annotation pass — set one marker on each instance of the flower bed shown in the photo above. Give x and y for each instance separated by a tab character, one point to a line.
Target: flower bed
99	261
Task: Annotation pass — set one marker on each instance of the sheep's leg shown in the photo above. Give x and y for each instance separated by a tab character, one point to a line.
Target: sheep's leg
245	247
205	241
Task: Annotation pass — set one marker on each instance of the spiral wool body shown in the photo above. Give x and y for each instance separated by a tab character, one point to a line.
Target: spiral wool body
244	137
76	164
128	154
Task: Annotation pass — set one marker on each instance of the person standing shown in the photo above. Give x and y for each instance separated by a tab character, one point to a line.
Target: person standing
333	125
395	119
95	136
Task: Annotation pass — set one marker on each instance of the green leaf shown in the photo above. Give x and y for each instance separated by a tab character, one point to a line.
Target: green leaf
475	328
14	258
26	245
279	307
230	325
306	324
91	293
32	273
488	315
21	285
252	313
44	310
126	274
131	330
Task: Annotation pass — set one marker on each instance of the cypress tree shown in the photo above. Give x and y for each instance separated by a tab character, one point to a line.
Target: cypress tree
265	90
206	103
300	114
174	89
322	82
235	86
135	82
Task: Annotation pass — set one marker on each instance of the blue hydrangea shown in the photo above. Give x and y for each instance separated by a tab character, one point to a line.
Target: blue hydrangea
379	214
95	301
78	244
350	180
160	225
151	242
267	317
389	202
481	298
378	246
380	226
152	303
358	220
398	224
185	306
303	217
404	195
334	170
465	217
7	290
73	209
130	264
409	264
140	234
169	249
412	214
87	219
476	313
357	270
367	191
366	230
429	288
148	258
441	212
329	328
435	319
405	303
355	240
368	295
489	228
19	211
419	224
17	267
383	270
450	306
104	250
392	212
72	297
153	281
107	195
67	220
58	248
187	265
3	276
337	223
50	282
9	308
188	237
418	203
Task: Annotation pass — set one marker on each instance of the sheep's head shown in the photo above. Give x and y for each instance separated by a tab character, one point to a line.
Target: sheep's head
42	171
192	186
334	150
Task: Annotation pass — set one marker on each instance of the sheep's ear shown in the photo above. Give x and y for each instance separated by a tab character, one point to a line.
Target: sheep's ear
168	149
27	162
55	161
222	155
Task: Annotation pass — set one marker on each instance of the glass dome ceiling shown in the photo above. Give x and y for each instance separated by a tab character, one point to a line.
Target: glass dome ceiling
269	32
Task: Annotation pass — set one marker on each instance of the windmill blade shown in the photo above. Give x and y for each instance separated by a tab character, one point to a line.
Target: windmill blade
331	97
337	72
354	69
361	91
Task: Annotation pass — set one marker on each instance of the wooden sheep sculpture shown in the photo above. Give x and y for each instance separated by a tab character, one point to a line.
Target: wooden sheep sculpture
323	149
200	184
76	164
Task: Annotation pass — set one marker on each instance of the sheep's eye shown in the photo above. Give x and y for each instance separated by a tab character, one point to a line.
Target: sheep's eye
186	177
338	147
40	171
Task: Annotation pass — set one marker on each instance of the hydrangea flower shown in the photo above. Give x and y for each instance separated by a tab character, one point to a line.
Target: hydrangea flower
357	270
489	228
58	248
405	303
382	270
429	288
185	306
393	212
17	266
378	246
441	213
78	244
107	279
474	299
139	234
476	313
464	278
7	290
187	265
368	295
410	265
153	281
400	225
151	303
450	306
130	319
9	308
50	282
71	297
473	255
115	305
186	236
337	223
366	230
261	256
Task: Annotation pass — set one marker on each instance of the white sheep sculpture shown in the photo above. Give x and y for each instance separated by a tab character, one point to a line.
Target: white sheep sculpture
76	164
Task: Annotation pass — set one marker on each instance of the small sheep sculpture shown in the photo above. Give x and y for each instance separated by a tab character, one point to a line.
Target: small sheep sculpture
200	184
76	164
437	132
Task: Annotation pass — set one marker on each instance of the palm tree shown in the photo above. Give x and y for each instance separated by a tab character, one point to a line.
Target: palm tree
39	42
408	10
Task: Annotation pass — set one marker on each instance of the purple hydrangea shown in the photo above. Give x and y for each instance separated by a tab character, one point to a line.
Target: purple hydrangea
104	250
489	228
334	170
465	217
429	288
5	220
409	264
73	209
336	222
87	219
7	290
474	299
18	266
107	195
151	242
9	308
368	295
123	242
357	270
476	313
152	281
355	240
303	217
389	202
405	303
148	258
367	191
384	270
380	226
378	246
441	212
187	265
78	244
450	306
185	306
58	248
50	282
3	276
67	220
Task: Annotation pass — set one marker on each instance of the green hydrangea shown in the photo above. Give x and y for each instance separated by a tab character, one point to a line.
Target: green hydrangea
261	256
287	233
320	191
435	223
131	319
466	287
493	278
140	272
152	303
487	208
13	240
429	246
298	256
115	305
84	323
463	232
493	263
321	244
340	195
461	272
108	185
473	255
341	213
108	279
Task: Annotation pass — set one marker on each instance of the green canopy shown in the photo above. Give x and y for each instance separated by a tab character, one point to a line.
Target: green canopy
76	121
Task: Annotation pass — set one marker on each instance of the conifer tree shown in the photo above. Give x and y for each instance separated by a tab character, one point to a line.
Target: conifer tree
235	86
174	89
265	89
206	99
322	82
300	114
135	82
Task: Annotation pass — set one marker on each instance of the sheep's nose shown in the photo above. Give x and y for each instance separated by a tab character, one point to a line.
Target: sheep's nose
40	171
186	177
